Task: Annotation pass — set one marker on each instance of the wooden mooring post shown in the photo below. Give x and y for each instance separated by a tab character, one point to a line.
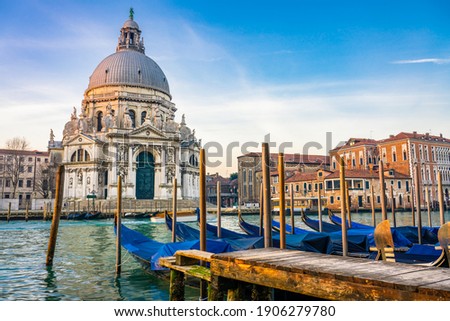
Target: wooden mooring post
343	207
56	215
382	191
441	199
348	205
202	205
267	196
391	192
418	202
291	190
26	212
282	197
261	209
427	199
372	204
219	210
174	209
8	215
319	206
117	222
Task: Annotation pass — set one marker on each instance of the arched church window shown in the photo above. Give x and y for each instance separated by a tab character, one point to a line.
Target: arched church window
87	157
143	115
80	155
73	158
133	117
193	160
99	121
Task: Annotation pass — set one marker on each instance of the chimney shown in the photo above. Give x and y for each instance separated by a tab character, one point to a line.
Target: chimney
414	134
427	135
391	136
440	135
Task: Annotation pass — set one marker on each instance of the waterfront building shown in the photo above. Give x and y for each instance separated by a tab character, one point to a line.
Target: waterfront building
126	126
228	190
358	153
402	152
24	175
250	171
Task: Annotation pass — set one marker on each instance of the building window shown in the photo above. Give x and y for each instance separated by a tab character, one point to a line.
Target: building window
331	199
367	184
46	160
244	175
394	157
399	184
329	184
38	159
405	156
8	183
99	121
250	176
21	168
143	116
6	195
297	188
407	186
30	169
29	182
20	182
378	199
133	118
30	159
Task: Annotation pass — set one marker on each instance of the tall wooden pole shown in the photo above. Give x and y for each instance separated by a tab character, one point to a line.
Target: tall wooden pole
291	189
427	198
383	191
343	207
441	199
348	205
419	210
282	194
56	215
319	206
118	224
219	211
261	209
174	210
202	201
203	285
372	204
8	216
413	207
391	192
26	212
267	199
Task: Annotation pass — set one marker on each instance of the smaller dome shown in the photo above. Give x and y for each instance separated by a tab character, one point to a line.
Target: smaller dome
130	24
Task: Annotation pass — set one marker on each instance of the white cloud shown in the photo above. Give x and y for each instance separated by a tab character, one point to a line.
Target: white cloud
438	61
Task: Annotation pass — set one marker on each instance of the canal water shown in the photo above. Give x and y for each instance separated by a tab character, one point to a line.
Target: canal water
84	261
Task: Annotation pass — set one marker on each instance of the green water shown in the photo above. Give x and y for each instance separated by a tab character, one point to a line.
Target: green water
84	264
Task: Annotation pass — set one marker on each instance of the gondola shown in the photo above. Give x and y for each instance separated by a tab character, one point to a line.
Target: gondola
305	241
237	241
429	234
148	251
400	241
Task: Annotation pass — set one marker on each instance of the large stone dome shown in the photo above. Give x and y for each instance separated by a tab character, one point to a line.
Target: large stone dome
129	67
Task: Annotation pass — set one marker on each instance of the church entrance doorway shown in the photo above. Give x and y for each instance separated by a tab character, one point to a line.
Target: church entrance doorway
145	176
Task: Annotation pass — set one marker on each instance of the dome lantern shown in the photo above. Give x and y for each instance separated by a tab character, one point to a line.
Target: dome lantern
130	36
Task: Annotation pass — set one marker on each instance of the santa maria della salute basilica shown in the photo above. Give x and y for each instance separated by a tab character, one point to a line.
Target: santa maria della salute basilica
126	126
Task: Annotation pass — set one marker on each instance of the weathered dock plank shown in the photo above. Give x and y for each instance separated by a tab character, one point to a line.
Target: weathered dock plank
333	277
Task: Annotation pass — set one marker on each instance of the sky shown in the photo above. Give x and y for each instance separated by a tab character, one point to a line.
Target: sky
242	72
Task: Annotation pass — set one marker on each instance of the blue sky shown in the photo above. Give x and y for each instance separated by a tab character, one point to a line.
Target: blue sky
239	70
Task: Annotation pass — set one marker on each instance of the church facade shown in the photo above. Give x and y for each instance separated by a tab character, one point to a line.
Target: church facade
126	126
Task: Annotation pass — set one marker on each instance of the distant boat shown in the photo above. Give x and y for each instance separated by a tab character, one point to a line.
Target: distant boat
84	216
139	214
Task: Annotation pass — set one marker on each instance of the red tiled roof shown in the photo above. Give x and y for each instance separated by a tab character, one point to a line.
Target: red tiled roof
302	176
354	142
415	135
23	152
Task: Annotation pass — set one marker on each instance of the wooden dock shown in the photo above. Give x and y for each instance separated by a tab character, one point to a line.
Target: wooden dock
318	275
